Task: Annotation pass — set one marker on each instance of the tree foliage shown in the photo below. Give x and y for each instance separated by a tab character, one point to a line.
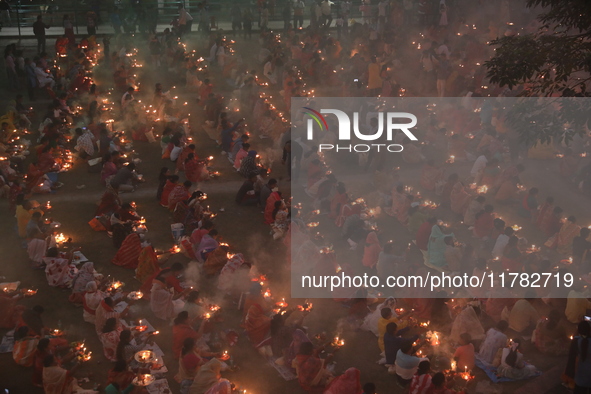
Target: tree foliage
555	60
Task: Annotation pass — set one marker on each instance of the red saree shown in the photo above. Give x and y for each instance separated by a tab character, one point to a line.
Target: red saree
128	254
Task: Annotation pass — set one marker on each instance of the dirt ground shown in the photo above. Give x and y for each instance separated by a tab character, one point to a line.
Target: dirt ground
243	229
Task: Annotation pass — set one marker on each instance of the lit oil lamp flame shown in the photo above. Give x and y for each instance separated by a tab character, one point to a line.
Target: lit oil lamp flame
282	303
306	307
60	238
338	342
28	292
135	295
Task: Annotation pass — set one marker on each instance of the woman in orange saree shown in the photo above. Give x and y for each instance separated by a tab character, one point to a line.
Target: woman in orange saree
257	325
147	264
311	372
270	206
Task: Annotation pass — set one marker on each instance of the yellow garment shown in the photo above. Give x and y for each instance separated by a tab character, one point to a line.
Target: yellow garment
576	306
522	315
382	323
22	218
374	80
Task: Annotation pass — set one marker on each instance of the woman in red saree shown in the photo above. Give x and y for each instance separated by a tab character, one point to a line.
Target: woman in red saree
196	170
181	330
270	207
372	250
257	325
110	201
310	370
459	199
168	186
178	194
34	176
148	264
128	254
45	159
430	175
347	383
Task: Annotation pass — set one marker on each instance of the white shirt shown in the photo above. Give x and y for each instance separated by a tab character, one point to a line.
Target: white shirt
443	50
479	165
325	7
502	241
175	153
184	17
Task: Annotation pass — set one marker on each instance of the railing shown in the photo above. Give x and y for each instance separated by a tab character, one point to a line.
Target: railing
25	12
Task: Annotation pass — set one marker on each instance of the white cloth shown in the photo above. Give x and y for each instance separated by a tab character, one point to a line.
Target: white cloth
478	166
502	241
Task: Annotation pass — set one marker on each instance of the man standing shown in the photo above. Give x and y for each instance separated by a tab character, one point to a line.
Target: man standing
298	14
5	9
286	15
326	13
185	20
236	14
39	31
91	22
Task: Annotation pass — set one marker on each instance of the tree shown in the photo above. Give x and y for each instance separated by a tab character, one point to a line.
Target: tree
554	60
